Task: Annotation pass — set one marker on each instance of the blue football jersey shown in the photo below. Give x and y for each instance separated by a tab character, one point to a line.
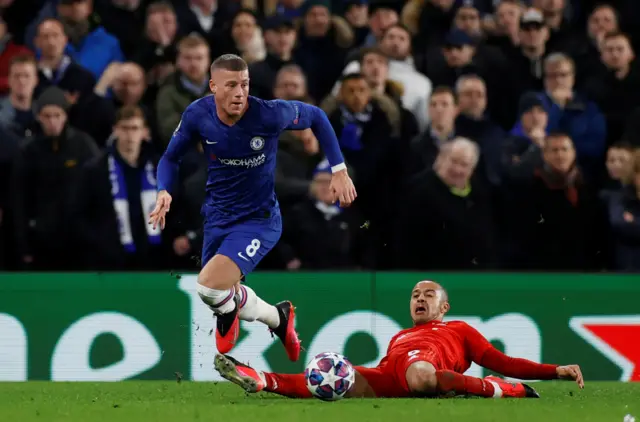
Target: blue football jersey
242	157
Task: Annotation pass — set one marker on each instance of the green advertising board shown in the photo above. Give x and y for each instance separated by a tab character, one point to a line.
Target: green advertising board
110	327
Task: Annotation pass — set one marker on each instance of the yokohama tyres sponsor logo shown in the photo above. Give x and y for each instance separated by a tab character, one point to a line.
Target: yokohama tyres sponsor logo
244	162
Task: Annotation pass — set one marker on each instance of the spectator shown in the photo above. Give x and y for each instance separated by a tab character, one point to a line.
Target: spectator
526	67
602	21
157	50
8	50
553	216
506	35
446	207
291	84
428	20
123	19
464	56
572	113
190	82
619	165
616	91
522	150
117	192
298	151
89	44
443	109
124	84
16	113
87	112
280	38
368	144
321	234
57	68
623	212
474	123
243	38
204	17
374	65
323	43
382	16
45	175
357	15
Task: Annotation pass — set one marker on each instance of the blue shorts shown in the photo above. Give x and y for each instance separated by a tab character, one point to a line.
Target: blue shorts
245	243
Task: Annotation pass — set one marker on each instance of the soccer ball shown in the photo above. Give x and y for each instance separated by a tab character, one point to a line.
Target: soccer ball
329	376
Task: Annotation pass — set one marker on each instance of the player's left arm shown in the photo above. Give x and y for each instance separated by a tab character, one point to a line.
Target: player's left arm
482	352
296	115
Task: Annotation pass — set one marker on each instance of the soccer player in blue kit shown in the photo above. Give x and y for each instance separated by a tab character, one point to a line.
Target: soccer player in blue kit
239	134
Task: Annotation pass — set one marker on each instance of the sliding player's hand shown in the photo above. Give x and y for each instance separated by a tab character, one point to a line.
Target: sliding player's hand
571	373
342	188
157	216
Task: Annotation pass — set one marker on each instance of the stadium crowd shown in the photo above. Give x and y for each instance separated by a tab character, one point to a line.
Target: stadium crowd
481	134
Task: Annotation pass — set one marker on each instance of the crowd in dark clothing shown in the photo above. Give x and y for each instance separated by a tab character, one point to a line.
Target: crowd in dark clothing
480	134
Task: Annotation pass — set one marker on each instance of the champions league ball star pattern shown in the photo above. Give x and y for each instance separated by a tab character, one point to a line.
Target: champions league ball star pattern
329	376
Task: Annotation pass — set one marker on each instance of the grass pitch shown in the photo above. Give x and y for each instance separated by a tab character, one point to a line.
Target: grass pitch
223	402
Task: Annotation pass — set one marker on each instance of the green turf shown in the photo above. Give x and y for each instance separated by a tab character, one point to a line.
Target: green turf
187	401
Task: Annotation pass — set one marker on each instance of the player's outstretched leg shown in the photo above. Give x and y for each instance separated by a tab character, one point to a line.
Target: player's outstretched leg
279	318
252	381
423	378
216	288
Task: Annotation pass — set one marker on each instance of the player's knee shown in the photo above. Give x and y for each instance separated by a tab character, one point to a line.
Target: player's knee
220	273
421	378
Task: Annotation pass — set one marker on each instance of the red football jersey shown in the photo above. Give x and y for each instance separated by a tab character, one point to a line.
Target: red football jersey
455	344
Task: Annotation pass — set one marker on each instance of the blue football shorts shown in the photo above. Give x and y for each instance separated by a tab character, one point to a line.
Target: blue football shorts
245	242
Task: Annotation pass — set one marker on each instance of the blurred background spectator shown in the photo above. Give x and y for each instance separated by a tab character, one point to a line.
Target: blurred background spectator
481	134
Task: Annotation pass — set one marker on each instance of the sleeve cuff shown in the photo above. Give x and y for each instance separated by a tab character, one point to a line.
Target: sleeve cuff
338	167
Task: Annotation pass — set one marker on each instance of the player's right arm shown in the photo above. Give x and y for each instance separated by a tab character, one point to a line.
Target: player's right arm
168	167
482	352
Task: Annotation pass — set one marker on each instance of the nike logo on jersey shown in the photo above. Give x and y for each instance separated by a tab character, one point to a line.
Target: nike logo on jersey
243	257
210	142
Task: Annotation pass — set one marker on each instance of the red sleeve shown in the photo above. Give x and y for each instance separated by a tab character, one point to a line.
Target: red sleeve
484	354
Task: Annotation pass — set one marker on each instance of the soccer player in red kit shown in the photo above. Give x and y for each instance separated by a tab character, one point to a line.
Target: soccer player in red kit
428	359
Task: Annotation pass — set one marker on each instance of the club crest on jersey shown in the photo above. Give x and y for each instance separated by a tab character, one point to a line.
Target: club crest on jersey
257	143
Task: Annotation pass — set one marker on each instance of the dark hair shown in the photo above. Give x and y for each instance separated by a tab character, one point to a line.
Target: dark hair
616	34
624	145
160	7
397	25
229	62
22	59
351	77
364	52
443	89
557	134
130	112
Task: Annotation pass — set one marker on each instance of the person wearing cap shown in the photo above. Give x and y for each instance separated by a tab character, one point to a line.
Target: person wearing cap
42	199
521	151
280	39
323	44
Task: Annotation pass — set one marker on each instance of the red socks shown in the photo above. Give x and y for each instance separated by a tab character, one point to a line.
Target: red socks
449	381
289	385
